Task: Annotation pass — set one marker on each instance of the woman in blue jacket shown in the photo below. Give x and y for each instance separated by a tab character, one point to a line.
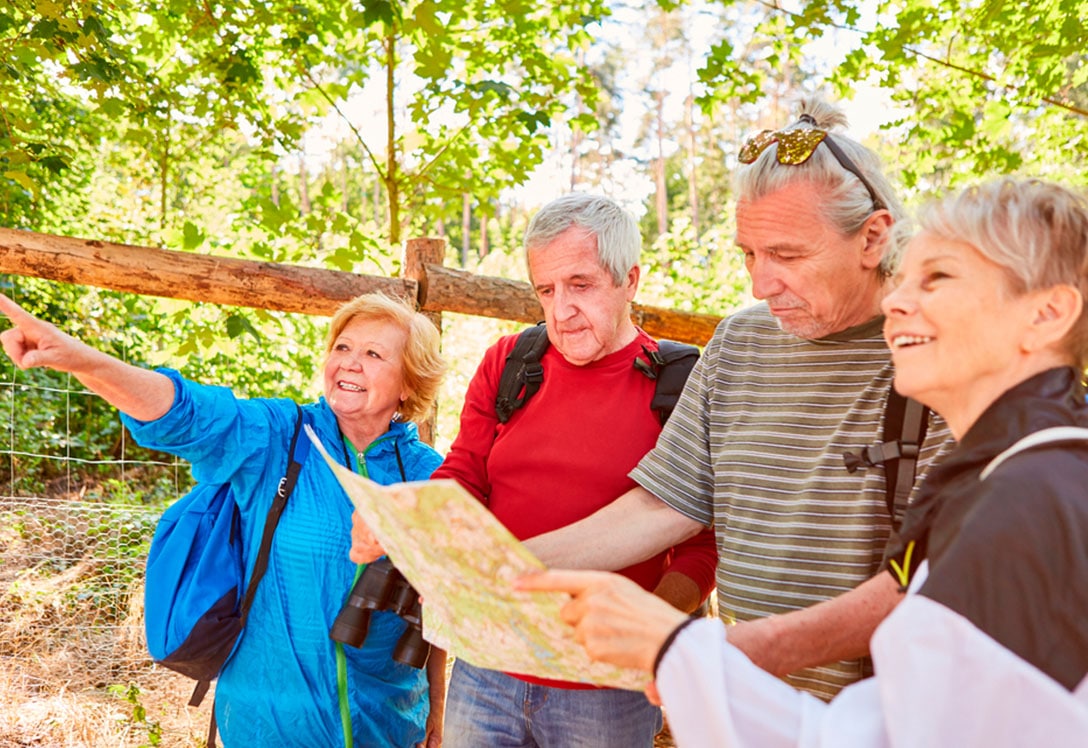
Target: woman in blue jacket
280	688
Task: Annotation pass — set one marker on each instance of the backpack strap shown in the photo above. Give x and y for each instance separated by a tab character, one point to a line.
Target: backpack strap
905	423
669	367
523	373
298	451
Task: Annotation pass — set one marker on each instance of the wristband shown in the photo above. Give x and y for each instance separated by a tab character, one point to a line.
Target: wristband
672	637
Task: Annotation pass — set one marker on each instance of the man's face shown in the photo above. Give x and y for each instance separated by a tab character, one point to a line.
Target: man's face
587	314
815	280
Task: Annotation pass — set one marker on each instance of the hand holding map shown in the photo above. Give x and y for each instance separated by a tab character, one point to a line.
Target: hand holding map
463	562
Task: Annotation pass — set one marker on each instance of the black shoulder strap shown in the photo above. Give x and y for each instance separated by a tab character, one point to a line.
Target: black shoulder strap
911	433
523	373
669	367
298	451
905	422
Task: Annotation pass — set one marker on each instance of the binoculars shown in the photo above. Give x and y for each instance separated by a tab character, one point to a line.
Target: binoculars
382	587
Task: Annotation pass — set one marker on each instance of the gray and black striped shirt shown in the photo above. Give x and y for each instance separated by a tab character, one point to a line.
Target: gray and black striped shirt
755	447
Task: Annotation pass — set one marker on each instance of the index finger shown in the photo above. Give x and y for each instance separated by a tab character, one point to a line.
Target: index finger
14	312
560	580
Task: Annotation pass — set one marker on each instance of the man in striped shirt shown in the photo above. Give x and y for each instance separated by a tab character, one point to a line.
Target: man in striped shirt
783	389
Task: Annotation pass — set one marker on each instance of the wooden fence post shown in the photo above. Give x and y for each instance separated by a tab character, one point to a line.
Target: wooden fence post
418	253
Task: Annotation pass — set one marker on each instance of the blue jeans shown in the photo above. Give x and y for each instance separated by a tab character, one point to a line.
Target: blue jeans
489	709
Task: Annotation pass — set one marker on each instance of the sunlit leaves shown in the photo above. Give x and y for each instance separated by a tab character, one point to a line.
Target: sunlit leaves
192	235
991	86
239	324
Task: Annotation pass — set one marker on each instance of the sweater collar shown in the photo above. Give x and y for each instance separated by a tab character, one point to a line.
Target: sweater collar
620	359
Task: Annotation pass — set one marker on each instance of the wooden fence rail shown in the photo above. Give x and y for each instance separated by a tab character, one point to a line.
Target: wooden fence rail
292	288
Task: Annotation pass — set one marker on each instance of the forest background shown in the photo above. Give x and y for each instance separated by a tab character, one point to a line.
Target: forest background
325	134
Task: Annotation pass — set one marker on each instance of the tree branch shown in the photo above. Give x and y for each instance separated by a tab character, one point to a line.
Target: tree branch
775	7
450	141
336	107
987	77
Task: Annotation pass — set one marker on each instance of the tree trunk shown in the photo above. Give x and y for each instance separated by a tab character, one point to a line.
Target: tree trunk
693	186
466	227
391	175
661	196
484	247
303	186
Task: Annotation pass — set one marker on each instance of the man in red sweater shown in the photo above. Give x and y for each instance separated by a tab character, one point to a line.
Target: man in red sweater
563	456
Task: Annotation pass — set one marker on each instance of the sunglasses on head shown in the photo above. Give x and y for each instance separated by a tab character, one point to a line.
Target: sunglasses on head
796	146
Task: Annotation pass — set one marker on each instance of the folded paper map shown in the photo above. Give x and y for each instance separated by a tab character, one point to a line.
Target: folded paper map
463	562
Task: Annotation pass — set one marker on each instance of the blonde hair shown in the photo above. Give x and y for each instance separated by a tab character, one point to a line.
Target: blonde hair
1036	230
424	366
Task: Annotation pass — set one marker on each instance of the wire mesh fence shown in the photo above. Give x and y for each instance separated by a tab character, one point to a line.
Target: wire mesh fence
78	506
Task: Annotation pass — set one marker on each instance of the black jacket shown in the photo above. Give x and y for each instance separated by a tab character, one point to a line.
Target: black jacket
1010	553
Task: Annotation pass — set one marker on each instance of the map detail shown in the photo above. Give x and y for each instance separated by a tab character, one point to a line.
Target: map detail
463	562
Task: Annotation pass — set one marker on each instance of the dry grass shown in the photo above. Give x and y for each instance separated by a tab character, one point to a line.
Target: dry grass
74	672
67	686
54	714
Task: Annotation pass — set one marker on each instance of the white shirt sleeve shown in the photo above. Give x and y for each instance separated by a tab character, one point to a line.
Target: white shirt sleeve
940	682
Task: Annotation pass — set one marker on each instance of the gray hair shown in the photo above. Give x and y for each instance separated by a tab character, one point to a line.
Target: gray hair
1036	230
846	201
619	242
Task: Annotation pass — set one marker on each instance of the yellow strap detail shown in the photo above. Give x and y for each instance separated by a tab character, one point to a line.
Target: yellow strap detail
902	573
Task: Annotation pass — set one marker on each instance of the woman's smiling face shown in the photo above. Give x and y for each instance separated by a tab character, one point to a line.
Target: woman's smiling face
954	325
364	371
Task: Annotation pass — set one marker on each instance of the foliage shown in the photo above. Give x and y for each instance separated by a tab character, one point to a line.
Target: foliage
131	694
695	273
990	87
189	125
52	419
469	89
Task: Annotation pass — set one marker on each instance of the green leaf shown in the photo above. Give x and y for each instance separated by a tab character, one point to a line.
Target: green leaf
192	236
23	179
48	8
44	29
238	324
378	11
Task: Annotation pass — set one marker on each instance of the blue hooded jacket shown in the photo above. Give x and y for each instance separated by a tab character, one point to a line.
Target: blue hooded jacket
280	686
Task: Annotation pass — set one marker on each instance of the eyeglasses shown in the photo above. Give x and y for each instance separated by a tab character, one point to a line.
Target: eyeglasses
796	146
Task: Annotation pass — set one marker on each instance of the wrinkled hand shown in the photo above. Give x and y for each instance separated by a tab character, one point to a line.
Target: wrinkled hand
434	734
614	619
364	546
32	342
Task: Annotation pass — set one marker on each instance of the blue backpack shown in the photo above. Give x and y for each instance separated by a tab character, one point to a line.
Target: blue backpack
194	609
